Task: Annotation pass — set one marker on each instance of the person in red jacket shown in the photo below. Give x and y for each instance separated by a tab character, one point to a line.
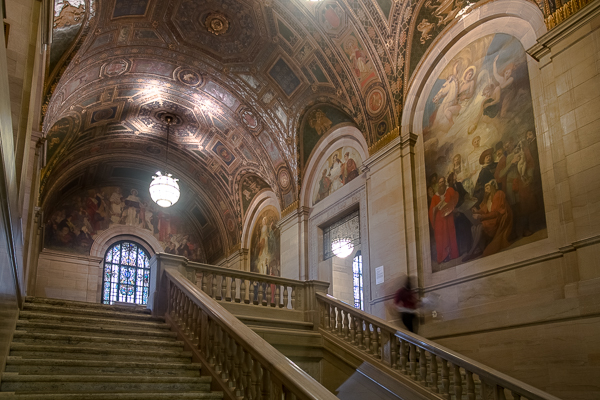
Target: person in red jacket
406	302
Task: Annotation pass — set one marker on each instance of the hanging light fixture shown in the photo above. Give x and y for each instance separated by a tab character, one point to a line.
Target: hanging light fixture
342	248
164	189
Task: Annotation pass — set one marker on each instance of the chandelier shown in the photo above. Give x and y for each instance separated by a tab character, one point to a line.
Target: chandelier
342	248
164	189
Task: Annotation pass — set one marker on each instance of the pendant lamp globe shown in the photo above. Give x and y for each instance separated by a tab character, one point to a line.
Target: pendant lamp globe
164	189
342	247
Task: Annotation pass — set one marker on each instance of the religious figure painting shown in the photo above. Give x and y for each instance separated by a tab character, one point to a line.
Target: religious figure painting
484	187
265	250
341	167
362	67
74	224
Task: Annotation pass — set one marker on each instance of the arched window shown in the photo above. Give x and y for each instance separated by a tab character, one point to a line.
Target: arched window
358	281
126	275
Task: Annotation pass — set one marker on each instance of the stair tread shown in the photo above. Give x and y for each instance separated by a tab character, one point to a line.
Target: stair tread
83	304
141	395
32	325
93	320
16	377
91	349
99	339
115	314
17	360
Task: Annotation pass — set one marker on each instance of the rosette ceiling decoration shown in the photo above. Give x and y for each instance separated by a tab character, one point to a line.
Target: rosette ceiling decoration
238	75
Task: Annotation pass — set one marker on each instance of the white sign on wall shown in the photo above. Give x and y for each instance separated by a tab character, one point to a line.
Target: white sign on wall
379	275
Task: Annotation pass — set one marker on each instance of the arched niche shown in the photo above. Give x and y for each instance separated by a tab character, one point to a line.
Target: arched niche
343	137
524	23
263	238
117	233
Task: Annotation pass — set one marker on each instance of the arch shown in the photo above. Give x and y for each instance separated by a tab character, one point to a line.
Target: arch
123	232
341	137
521	19
126	273
261	201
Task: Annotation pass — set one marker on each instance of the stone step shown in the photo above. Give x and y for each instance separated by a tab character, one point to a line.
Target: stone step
86	341
112	396
96	353
81	304
12	382
94	330
25	366
95	321
90	312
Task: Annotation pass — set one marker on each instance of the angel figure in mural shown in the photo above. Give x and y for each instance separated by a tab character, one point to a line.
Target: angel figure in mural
319	122
116	206
447	100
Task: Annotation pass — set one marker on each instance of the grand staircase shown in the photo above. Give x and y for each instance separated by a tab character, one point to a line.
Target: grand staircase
67	350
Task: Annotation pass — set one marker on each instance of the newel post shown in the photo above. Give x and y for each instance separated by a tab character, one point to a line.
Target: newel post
311	306
158	296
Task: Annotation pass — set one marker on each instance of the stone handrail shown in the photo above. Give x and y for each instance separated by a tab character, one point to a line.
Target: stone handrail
417	358
259	290
244	364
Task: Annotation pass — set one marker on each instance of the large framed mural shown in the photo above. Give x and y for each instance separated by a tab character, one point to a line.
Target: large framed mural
484	188
265	254
341	167
78	218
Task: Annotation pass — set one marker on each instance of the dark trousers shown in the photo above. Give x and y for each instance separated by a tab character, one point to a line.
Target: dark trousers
408	319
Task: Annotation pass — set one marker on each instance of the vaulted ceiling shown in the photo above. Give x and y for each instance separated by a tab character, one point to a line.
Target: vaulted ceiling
239	76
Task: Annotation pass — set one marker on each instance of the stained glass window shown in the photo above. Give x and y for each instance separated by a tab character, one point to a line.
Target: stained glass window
358	281
126	275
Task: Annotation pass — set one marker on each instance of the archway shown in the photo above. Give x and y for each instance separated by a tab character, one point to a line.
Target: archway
126	274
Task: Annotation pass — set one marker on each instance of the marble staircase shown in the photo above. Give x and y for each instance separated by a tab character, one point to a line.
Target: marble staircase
67	350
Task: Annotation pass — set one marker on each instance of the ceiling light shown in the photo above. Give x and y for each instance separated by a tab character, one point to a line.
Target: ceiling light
164	189
342	247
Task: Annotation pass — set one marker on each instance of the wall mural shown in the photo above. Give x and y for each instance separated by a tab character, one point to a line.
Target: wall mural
250	187
316	123
80	217
484	185
341	167
265	252
68	19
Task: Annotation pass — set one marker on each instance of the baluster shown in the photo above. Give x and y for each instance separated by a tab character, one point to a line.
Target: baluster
367	330
434	374
234	295
246	375
346	327
352	325
197	316
403	349
515	395
211	348
225	351
186	316
340	324
218	288
244	292
204	282
394	352
331	318
413	361
213	290
445	380
293	297
359	333
178	307
423	366
269	297
227	295
500	393
266	384
261	289
470	386
218	345
254	379
278	296
252	289
286	296
457	382
236	372
376	341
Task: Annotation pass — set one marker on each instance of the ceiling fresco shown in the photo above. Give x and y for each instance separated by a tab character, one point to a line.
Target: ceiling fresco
244	79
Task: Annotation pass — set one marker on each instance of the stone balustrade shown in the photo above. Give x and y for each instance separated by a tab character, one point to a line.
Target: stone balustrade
244	365
436	368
